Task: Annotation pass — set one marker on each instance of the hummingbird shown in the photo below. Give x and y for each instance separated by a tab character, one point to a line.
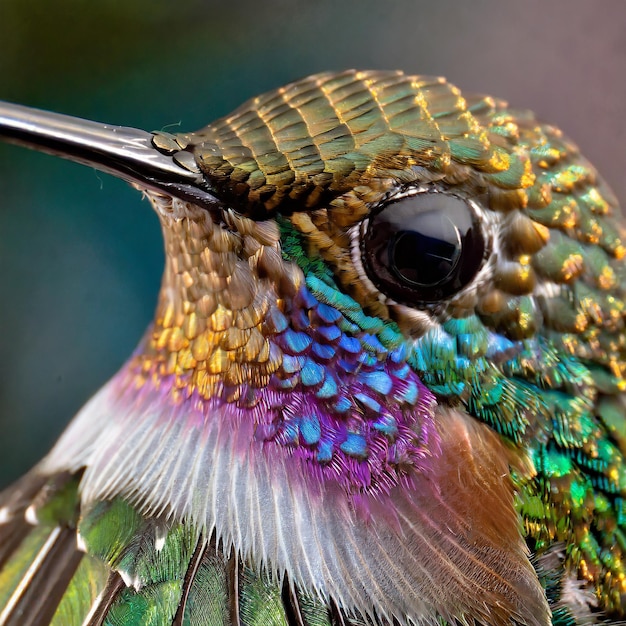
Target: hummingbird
384	384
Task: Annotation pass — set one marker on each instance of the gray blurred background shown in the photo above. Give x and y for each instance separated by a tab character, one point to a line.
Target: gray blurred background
80	253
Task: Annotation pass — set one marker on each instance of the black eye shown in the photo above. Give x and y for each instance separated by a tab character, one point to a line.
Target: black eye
423	248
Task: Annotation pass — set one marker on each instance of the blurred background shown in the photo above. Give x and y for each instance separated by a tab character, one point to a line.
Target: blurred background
80	252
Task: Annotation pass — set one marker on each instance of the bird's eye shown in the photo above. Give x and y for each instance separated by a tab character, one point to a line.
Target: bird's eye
423	248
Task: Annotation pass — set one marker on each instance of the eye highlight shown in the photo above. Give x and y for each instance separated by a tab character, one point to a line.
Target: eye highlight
423	248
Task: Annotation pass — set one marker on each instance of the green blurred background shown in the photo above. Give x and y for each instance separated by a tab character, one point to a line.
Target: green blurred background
80	253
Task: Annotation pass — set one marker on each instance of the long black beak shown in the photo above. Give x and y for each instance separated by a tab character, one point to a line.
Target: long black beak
129	153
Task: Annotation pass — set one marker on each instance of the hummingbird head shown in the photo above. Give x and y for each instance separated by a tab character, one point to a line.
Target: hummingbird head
422	216
314	292
382	300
